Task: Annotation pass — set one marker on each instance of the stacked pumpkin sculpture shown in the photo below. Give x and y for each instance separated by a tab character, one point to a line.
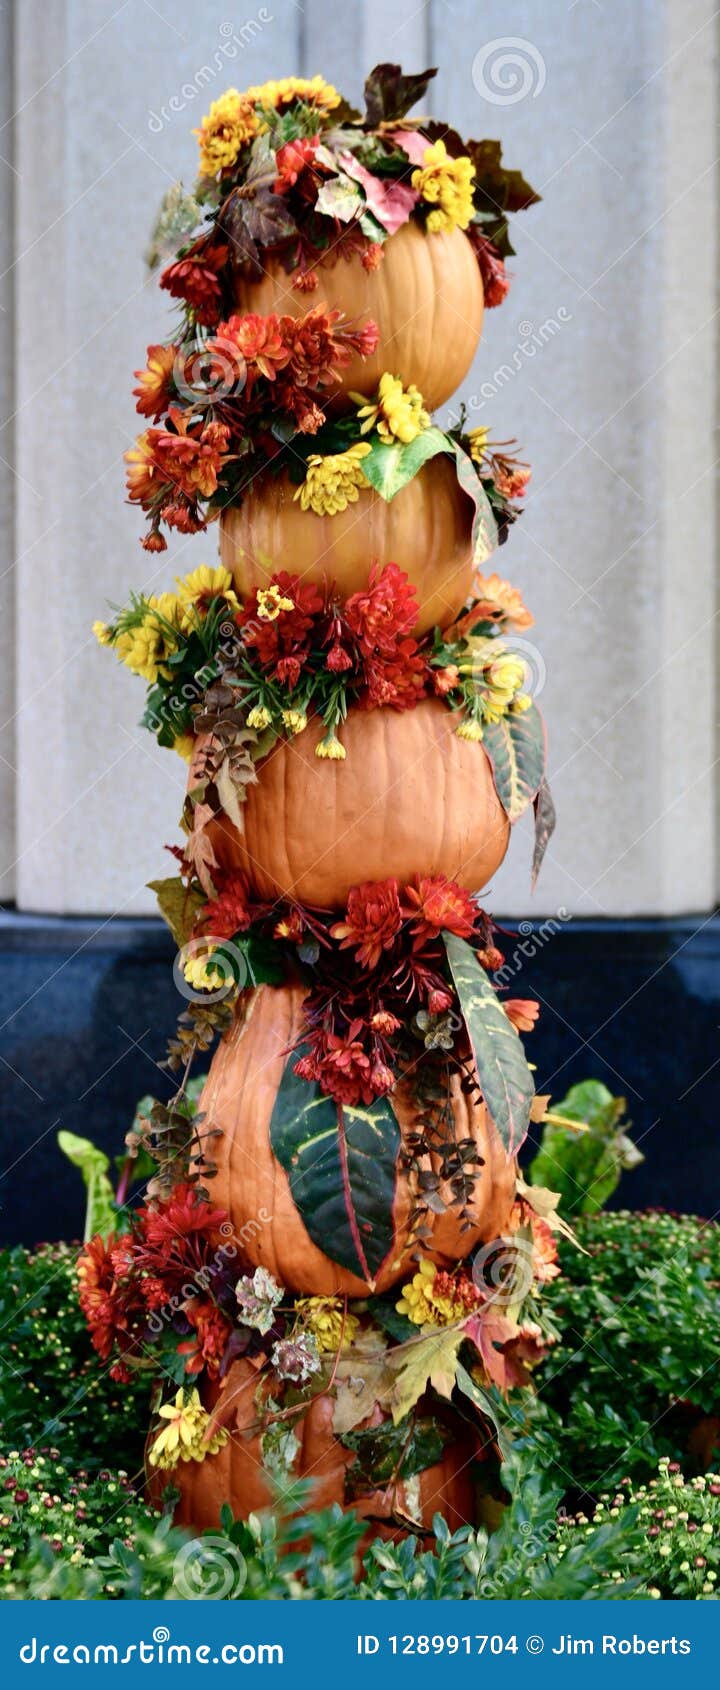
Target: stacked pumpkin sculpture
330	1264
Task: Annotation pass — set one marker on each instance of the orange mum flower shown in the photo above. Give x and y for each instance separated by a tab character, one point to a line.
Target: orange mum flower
523	1012
373	920
156	385
437	902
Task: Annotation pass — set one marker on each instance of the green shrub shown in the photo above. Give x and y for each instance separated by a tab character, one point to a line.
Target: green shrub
634	1376
674	1546
53	1387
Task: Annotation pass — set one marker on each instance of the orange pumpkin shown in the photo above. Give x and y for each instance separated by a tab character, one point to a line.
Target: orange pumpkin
426	530
426	297
410	798
236	1475
251	1185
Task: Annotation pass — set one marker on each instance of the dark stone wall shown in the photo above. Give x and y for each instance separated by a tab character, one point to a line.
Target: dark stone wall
87	1005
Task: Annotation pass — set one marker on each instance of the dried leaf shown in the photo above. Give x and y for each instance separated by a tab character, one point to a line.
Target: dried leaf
178	906
199	852
429	1360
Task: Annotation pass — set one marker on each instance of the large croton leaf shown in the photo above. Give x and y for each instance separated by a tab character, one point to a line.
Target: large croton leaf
544	827
484	529
341	1163
516	748
389	468
505	1078
389	94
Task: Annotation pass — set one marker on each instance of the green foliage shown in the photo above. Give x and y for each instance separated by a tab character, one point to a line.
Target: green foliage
516	748
100	1211
674	1551
389	466
505	1078
584	1167
634	1376
53	1387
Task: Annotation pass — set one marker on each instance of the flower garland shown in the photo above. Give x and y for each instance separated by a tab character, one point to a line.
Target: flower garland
380	991
294	649
175	1294
251	400
289	170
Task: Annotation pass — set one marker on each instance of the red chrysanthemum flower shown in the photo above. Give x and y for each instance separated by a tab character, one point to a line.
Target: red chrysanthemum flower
260	342
230	912
341	1067
386	613
212	1330
435	903
373	920
106	1301
292	159
195	278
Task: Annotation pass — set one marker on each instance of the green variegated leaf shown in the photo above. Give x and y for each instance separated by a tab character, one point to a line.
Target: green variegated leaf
484	530
341	1164
544	827
389	468
505	1078
516	748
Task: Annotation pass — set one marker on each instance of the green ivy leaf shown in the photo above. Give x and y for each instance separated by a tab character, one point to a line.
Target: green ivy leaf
516	748
341	1164
505	1078
389	468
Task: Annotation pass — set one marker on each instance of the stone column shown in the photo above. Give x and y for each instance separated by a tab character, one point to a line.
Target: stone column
602	361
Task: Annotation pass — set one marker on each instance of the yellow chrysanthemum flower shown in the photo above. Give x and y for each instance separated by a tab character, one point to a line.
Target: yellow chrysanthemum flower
323	1316
184	744
103	633
477	439
223	132
197	589
259	717
469	729
521	702
333	483
270	602
398	413
330	747
423	1305
313	91
183	1438
446	184
507	673
200	973
148	640
295	721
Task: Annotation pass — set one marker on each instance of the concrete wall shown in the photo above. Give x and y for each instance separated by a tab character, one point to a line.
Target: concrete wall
611	111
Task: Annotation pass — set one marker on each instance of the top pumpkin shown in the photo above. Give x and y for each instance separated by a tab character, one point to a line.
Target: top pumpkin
295	180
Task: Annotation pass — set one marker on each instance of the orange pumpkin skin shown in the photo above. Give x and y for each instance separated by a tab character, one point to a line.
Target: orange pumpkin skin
410	798
426	297
235	1475
253	1187
426	530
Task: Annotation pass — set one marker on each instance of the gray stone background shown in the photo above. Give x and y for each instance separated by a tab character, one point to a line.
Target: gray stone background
611	110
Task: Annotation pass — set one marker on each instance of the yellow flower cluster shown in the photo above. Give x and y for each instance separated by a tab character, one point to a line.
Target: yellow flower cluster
323	1317
398	414
423	1305
233	119
499	677
332	483
183	1438
477	441
446	184
145	643
201	974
